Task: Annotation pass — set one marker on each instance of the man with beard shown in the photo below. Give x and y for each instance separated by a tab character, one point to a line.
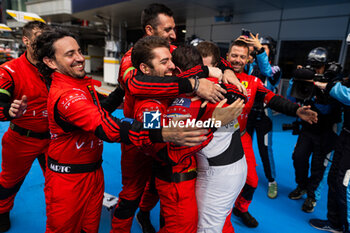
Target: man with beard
221	165
238	57
156	20
28	137
175	167
74	183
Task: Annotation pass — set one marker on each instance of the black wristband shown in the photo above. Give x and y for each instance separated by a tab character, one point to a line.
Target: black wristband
196	85
260	51
124	129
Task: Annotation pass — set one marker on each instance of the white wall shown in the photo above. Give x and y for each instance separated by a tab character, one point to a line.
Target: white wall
322	22
44	8
96	54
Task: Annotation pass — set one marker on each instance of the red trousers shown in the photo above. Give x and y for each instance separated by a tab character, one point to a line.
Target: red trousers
73	201
245	197
228	228
178	206
18	155
136	191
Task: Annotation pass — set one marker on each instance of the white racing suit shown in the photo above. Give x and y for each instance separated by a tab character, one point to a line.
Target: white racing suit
222	172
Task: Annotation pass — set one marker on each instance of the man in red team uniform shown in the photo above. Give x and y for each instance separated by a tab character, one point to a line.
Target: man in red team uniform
156	20
28	135
74	182
221	165
175	167
238	56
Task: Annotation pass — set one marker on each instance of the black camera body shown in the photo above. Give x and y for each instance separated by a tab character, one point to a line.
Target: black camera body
303	87
245	32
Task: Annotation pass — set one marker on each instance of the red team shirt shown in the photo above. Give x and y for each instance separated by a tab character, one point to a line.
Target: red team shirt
255	89
69	144
31	85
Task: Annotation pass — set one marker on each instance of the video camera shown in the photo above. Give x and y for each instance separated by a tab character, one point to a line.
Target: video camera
303	87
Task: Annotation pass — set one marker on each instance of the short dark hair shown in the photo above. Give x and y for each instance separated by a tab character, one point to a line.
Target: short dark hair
143	50
149	15
28	27
239	43
186	57
43	47
207	49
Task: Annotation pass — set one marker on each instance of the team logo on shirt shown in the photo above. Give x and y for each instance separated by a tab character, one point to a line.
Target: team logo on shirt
184	102
151	120
245	84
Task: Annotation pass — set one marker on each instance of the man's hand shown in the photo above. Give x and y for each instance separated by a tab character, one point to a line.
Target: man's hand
229	113
210	91
320	85
306	114
252	40
18	107
184	136
230	77
215	73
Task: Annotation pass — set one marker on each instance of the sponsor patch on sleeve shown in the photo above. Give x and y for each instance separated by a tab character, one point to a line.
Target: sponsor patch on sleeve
183	102
71	99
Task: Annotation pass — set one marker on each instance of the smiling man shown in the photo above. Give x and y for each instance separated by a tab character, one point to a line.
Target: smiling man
74	183
238	57
156	20
28	136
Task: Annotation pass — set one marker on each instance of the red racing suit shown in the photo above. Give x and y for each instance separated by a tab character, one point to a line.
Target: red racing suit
74	183
28	136
256	90
175	173
221	165
136	167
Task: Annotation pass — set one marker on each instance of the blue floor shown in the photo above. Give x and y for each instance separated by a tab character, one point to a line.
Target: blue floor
280	215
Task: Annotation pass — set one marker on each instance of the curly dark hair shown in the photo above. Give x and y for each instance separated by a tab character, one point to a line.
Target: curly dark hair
143	50
43	47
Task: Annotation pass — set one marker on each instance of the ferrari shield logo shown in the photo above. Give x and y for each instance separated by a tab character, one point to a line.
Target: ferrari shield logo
245	84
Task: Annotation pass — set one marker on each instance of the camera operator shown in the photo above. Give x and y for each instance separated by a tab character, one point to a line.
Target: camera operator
317	139
263	51
338	177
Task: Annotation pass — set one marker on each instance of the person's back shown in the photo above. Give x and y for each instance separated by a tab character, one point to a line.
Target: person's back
136	174
221	166
338	183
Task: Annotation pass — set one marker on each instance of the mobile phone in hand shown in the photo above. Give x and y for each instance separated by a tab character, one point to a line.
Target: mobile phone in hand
245	32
